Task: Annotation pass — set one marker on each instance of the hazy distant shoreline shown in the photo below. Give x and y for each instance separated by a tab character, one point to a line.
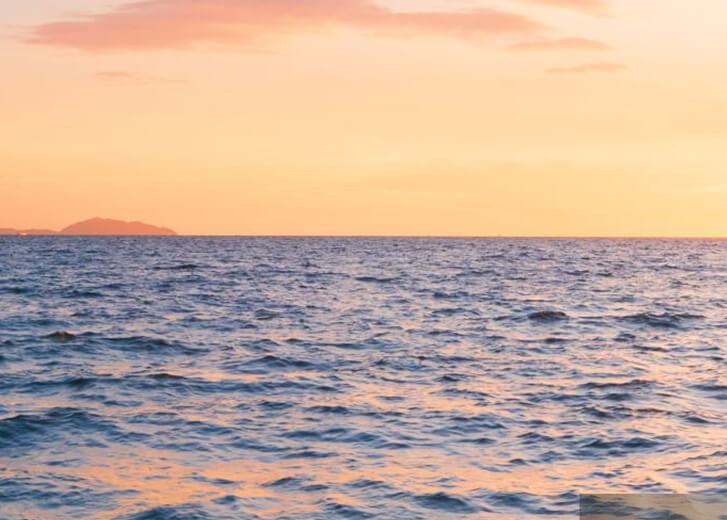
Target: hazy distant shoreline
9	232
96	227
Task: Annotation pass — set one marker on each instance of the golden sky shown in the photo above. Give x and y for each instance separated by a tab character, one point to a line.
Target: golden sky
406	117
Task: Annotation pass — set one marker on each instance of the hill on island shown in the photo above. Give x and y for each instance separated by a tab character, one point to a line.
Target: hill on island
105	226
98	227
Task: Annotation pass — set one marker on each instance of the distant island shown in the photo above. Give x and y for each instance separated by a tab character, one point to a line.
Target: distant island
97	227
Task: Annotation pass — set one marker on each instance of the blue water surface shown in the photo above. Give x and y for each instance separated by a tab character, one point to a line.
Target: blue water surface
307	378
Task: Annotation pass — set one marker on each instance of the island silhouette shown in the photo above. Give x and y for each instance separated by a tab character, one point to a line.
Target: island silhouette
98	227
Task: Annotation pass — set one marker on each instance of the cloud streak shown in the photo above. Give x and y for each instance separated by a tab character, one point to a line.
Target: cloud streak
120	76
116	75
568	44
586	6
173	24
587	68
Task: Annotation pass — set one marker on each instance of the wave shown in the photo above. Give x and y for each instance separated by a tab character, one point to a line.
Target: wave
376	279
446	502
309	454
530	503
298	484
271	362
178	267
29	429
633	384
183	512
79	294
151	345
663	320
345	436
346	511
333	410
16	290
593	447
62	336
714	390
548	316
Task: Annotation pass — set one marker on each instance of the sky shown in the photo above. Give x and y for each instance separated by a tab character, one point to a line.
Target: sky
367	117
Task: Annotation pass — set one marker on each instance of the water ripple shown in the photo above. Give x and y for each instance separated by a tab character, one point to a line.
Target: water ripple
265	378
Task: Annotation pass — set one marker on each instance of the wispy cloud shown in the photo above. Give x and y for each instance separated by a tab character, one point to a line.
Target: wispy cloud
171	24
588	68
568	44
586	6
119	76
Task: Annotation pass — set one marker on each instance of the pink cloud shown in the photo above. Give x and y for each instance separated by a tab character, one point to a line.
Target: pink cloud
167	24
575	44
588	68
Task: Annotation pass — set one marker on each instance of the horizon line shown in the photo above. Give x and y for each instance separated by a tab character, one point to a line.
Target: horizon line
415	236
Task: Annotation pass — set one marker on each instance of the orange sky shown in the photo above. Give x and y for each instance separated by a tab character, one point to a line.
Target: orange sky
446	117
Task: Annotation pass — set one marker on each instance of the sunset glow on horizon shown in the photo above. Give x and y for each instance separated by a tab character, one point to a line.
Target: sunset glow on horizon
363	117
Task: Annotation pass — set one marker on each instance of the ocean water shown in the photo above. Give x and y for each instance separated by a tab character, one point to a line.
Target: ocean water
293	378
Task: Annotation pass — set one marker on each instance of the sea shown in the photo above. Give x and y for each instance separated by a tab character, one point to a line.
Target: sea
389	378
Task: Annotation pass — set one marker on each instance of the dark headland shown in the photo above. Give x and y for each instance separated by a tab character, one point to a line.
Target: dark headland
98	227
